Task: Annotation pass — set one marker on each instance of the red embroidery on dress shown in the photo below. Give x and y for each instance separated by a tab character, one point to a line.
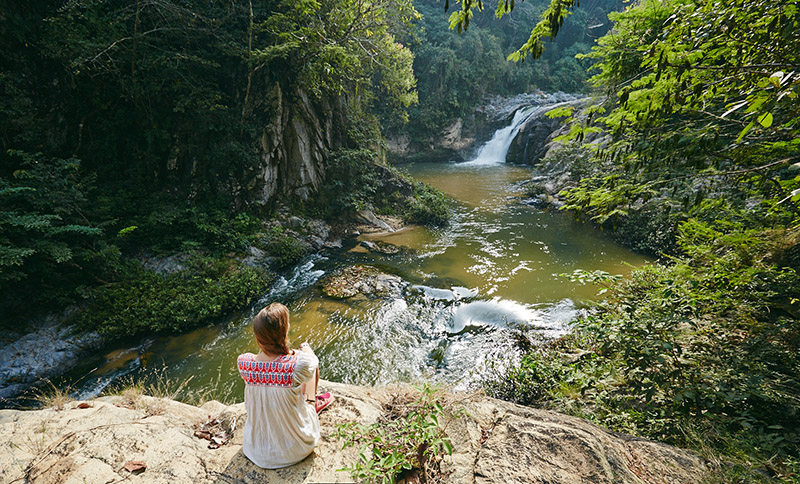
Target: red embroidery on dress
277	373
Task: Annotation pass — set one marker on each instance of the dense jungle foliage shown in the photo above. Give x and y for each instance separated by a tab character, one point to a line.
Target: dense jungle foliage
133	129
699	129
455	72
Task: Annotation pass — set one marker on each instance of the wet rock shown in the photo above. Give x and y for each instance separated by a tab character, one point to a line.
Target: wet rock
316	242
361	279
502	108
534	137
333	244
369	245
538	201
22	362
494	442
380	247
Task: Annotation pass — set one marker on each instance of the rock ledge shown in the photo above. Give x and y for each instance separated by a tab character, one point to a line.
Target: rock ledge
494	442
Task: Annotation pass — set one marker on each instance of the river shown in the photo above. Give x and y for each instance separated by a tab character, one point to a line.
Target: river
475	289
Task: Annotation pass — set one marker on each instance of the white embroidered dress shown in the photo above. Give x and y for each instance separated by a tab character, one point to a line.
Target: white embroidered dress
281	428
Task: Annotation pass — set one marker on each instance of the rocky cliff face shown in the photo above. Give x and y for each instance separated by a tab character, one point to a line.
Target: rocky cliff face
534	137
453	143
494	442
294	144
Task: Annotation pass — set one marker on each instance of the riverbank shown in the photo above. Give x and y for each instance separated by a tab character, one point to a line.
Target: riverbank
172	293
493	442
698	349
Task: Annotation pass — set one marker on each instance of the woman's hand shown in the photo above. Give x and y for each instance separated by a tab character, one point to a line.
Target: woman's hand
305	347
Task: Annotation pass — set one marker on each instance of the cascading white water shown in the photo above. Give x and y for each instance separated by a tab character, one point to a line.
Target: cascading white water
495	150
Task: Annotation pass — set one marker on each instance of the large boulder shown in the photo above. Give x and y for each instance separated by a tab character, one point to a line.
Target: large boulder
494	442
22	363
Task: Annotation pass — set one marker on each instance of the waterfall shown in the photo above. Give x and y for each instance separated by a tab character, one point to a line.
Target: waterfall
495	150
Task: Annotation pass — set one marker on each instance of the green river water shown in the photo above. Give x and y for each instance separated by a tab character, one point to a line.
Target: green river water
474	288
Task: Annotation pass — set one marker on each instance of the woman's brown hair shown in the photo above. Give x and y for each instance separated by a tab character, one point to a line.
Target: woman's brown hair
271	327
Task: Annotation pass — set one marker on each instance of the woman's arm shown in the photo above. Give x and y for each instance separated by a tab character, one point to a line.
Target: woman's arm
306	365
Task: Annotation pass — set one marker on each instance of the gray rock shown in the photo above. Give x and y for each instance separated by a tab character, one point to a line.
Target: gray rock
319	228
257	258
295	222
256	252
369	217
294	144
533	140
166	265
333	244
316	242
360	279
21	361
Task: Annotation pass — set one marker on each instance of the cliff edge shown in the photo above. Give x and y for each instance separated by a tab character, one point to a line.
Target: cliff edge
494	442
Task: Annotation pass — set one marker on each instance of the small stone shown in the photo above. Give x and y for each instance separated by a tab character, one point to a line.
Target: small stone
295	222
333	244
256	252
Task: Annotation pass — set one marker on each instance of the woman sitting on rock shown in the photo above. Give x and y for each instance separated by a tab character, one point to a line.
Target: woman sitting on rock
282	426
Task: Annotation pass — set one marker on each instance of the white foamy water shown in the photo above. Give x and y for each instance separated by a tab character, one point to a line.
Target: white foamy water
496	149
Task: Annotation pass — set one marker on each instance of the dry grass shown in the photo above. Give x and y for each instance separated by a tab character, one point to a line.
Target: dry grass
36	443
160	386
53	397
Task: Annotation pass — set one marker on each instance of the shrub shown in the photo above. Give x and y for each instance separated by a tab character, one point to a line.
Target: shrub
357	181
286	250
704	352
407	437
45	236
429	207
146	302
166	226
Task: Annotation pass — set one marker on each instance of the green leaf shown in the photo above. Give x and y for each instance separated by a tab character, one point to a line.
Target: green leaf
765	120
745	131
